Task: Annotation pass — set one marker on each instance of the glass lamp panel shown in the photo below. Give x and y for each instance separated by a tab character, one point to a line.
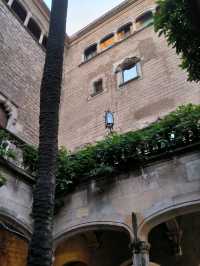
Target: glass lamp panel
109	118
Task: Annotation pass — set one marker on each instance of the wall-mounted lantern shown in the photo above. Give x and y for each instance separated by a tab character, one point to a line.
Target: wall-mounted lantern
109	120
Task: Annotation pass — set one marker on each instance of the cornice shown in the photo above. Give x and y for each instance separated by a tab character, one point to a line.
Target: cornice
102	19
43	8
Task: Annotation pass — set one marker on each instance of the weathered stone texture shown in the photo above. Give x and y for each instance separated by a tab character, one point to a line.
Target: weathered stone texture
160	187
161	88
21	65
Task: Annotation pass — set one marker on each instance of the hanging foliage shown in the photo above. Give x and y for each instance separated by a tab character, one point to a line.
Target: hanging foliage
178	21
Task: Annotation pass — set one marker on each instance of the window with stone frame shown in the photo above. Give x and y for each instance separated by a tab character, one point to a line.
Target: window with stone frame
3	117
90	52
144	20
19	10
124	31
97	87
128	70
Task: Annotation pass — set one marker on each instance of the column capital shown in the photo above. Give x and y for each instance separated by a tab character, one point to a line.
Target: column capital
141	247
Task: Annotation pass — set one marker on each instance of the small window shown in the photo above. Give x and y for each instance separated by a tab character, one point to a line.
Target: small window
19	10
90	52
130	73
124	31
34	28
144	20
97	87
44	41
107	41
3	117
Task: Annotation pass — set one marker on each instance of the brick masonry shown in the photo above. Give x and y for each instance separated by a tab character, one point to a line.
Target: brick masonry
21	64
162	87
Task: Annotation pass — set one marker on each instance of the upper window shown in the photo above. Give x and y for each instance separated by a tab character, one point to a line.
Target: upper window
90	52
34	28
130	73
19	10
107	41
97	87
128	70
124	31
3	117
144	20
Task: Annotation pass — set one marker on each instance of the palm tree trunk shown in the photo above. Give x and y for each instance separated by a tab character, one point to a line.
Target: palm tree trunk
194	6
40	249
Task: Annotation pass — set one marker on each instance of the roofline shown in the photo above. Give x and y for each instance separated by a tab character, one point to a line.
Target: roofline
101	19
43	8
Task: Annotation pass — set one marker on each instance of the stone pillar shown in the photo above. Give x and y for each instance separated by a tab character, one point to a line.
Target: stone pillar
10	3
41	37
141	253
29	15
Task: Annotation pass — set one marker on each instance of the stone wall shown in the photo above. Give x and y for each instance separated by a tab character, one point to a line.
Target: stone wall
16	198
160	89
21	65
162	187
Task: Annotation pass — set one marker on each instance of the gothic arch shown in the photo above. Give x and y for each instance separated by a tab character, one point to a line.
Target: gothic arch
91	226
8	220
11	111
165	213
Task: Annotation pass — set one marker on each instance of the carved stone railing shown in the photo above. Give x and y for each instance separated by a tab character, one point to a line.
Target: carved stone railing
11	148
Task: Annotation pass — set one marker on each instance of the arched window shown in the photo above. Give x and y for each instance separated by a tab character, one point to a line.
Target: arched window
19	10
107	41
3	117
34	28
90	52
124	31
44	41
144	20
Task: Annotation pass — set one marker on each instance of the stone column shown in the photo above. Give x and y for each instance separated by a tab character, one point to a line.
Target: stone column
41	37
10	3
29	15
141	253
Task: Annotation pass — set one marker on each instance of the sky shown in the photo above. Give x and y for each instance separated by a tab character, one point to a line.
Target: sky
82	12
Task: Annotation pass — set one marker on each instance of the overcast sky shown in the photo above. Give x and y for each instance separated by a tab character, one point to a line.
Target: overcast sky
82	12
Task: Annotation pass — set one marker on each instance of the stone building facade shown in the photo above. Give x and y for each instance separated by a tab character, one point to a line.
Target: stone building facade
116	64
159	87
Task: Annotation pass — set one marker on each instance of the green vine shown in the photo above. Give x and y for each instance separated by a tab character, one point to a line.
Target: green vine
120	153
2	179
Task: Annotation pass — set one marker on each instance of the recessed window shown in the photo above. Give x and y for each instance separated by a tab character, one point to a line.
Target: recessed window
128	70
44	41
97	87
124	31
144	20
130	73
90	52
107	41
34	28
3	117
19	10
